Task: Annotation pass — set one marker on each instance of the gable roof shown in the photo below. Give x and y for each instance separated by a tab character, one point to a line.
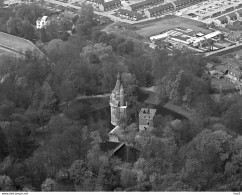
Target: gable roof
161	7
209	65
130	13
110	3
221	68
143	3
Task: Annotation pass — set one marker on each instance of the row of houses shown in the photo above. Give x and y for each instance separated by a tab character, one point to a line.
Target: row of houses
212	9
162	9
229	71
170	7
130	15
229	19
180	4
144	4
106	6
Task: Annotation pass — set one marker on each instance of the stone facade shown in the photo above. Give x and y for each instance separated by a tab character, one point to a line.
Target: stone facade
118	108
146	116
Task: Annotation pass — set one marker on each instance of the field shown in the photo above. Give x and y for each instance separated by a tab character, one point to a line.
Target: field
150	28
226	85
15	43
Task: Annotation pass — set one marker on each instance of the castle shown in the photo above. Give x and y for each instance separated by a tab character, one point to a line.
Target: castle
119	114
118	108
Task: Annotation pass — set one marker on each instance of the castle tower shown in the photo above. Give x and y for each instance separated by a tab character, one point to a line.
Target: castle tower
118	109
121	96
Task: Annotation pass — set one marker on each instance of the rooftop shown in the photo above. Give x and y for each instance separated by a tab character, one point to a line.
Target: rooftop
147	111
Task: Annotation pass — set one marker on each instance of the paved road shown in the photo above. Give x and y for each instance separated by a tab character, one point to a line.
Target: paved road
106	14
221	50
112	17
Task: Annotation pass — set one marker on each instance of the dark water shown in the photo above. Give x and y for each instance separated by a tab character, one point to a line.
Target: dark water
104	116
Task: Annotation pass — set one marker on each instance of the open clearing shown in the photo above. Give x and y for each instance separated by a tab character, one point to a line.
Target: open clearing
150	28
15	43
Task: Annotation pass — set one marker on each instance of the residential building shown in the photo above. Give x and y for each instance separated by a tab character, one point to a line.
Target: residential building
146	116
130	15
144	4
180	4
162	9
110	5
41	22
209	67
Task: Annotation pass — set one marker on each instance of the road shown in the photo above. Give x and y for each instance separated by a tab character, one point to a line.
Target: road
112	17
106	14
221	50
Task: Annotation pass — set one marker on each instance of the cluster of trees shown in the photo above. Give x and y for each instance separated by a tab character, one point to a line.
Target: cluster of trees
21	20
118	44
44	147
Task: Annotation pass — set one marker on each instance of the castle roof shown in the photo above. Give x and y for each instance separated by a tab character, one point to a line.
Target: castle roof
118	83
147	111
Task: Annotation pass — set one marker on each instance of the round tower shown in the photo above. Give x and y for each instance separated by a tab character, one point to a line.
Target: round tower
118	109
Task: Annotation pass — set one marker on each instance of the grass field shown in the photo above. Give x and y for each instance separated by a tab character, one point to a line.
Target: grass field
150	28
225	84
15	43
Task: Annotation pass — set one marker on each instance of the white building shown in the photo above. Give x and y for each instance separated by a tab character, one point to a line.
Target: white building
41	22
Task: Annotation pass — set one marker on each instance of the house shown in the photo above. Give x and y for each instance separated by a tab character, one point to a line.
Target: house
232	17
216	74
146	116
42	22
222	69
110	5
162	9
131	15
221	21
209	67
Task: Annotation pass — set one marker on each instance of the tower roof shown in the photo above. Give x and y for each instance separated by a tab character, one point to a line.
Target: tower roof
118	83
121	89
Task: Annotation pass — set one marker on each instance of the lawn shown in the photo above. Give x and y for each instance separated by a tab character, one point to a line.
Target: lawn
150	28
15	43
226	85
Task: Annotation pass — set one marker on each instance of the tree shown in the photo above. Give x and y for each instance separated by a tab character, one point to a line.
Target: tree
6	183
52	30
84	29
95	36
43	35
48	185
86	14
67	92
103	38
50	100
128	178
232	117
27	30
12	26
3	145
19	140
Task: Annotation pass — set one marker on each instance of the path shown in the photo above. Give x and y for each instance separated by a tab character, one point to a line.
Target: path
221	50
178	109
84	97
